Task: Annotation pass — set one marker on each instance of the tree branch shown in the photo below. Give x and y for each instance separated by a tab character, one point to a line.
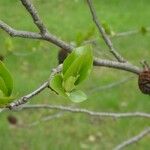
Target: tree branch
117	65
88	112
110	86
32	35
17	33
31	9
133	139
119	34
102	32
45	35
44	32
53	39
27	97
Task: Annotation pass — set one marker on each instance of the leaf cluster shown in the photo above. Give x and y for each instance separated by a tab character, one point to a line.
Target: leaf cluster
76	68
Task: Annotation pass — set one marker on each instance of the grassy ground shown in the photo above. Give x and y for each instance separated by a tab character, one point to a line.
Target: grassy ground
31	61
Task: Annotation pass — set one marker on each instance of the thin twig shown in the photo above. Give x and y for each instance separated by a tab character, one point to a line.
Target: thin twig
31	9
44	32
33	35
55	40
18	33
111	85
27	97
117	35
47	118
117	65
45	35
122	34
85	111
131	32
62	44
102	32
133	139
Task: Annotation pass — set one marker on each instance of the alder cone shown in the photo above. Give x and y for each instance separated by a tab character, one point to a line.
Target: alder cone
62	56
144	81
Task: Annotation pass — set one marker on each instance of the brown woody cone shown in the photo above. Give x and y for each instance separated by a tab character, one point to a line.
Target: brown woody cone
144	81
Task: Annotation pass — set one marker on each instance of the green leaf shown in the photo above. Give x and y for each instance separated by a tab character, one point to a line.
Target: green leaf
74	68
56	84
6	86
77	96
87	65
7	78
78	63
69	60
69	84
3	87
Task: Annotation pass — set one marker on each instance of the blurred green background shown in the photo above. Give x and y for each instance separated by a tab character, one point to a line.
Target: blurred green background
31	61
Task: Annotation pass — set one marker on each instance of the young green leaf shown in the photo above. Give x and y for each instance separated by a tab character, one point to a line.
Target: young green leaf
86	66
69	60
78	63
77	96
68	85
76	68
3	87
7	78
56	84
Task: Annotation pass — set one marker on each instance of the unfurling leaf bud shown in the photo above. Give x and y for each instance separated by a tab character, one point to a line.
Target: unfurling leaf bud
76	68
